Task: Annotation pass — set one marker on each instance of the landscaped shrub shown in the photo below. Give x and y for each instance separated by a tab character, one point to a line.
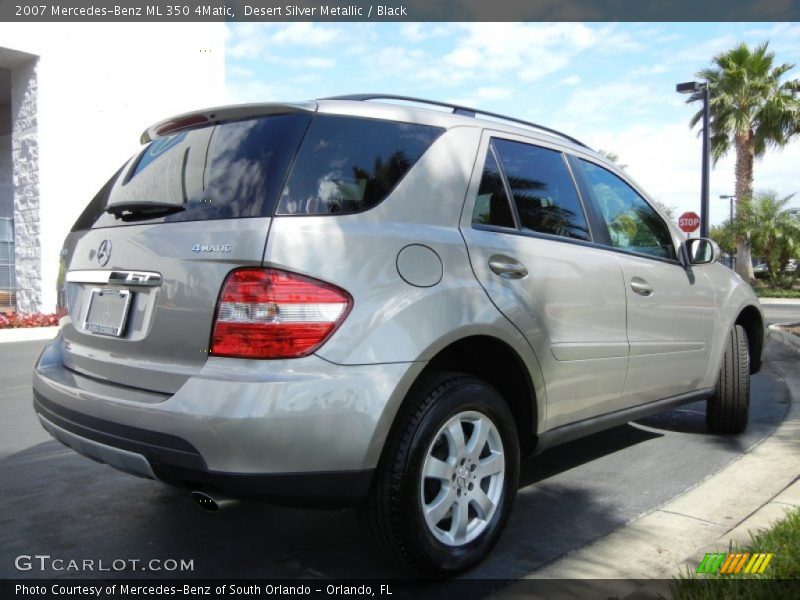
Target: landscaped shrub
11	320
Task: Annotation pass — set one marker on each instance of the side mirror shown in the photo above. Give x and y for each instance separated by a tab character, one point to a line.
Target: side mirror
701	251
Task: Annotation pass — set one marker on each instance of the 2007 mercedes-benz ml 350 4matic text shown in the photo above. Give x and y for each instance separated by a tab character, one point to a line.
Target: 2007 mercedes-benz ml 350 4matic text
374	302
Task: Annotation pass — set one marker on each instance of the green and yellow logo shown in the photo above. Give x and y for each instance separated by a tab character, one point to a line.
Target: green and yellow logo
730	564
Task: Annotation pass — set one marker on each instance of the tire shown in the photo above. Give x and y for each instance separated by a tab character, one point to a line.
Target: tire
409	482
727	410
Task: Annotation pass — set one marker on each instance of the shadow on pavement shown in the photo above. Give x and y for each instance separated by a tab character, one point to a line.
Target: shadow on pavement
573	454
61	504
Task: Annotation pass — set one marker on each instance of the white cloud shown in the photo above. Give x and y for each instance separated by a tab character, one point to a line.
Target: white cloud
525	51
418	32
649	70
316	62
462	101
257	91
698	55
245	40
252	40
493	93
604	103
239	71
530	51
482	98
395	59
571	80
305	34
666	159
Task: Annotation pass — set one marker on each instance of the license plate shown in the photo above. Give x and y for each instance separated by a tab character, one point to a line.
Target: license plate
107	312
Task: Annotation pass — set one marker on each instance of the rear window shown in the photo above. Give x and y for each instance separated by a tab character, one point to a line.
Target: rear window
232	170
349	164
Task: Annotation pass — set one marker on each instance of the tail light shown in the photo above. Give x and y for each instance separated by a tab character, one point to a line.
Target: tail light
61	297
269	313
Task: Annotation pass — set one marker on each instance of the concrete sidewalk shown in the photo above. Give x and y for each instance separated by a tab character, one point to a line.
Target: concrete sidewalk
27	334
749	494
793	301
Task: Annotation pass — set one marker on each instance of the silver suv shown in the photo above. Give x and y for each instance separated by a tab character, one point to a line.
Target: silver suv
381	304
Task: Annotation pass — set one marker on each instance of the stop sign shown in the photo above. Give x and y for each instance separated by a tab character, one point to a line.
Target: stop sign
689	222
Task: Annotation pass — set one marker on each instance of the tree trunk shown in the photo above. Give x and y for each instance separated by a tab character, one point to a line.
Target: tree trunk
745	152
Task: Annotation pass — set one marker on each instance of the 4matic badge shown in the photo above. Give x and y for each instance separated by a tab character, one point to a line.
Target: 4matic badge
212	247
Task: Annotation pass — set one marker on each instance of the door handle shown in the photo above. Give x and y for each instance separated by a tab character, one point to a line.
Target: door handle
507	267
641	287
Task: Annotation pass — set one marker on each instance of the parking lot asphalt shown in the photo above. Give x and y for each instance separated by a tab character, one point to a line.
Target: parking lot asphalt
61	504
783	312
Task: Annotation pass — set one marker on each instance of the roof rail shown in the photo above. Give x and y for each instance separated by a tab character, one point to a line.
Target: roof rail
457	110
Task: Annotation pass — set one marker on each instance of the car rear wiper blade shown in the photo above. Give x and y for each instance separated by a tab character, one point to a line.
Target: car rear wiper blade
131	211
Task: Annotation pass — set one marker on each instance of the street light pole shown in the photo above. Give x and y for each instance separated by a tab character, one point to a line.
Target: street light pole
731	198
691	87
704	208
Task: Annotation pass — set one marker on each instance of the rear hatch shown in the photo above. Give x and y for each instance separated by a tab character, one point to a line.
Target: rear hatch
145	262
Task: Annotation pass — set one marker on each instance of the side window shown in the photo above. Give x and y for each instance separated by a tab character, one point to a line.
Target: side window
632	223
543	190
348	164
492	206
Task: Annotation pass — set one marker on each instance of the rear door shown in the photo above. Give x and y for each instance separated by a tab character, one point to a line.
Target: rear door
144	264
531	247
671	311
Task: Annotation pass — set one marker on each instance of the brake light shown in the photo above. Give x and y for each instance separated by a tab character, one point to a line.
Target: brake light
269	313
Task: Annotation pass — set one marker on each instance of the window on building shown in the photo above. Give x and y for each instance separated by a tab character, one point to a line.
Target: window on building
7	279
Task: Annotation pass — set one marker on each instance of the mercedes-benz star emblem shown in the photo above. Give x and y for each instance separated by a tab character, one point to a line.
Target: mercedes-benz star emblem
104	252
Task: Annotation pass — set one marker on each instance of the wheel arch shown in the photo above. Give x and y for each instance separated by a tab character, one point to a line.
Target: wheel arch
486	357
752	321
495	362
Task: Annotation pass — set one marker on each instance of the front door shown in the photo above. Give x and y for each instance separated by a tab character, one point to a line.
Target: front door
671	311
535	257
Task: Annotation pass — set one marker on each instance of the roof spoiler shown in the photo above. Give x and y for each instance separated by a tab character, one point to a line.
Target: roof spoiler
213	116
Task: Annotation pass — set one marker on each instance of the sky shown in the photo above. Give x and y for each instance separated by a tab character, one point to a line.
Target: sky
611	85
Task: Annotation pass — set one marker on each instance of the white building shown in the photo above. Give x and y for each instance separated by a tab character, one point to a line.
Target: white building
74	99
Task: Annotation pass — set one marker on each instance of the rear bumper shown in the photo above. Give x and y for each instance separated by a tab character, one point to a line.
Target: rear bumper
329	489
309	432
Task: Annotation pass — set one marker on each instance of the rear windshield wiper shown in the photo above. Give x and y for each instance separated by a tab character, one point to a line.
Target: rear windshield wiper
131	211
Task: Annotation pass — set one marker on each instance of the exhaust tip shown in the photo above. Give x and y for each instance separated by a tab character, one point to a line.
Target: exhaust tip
212	502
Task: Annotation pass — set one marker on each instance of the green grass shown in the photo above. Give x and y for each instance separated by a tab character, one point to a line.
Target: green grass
763	291
783	540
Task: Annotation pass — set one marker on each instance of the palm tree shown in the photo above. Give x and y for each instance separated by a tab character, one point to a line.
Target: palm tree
752	109
775	233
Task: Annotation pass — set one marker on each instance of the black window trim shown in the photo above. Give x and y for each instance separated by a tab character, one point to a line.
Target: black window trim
594	221
603	226
575	241
315	116
586	217
537	235
507	187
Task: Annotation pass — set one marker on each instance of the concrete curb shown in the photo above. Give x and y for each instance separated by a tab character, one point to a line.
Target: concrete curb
790	339
790	301
749	494
27	334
